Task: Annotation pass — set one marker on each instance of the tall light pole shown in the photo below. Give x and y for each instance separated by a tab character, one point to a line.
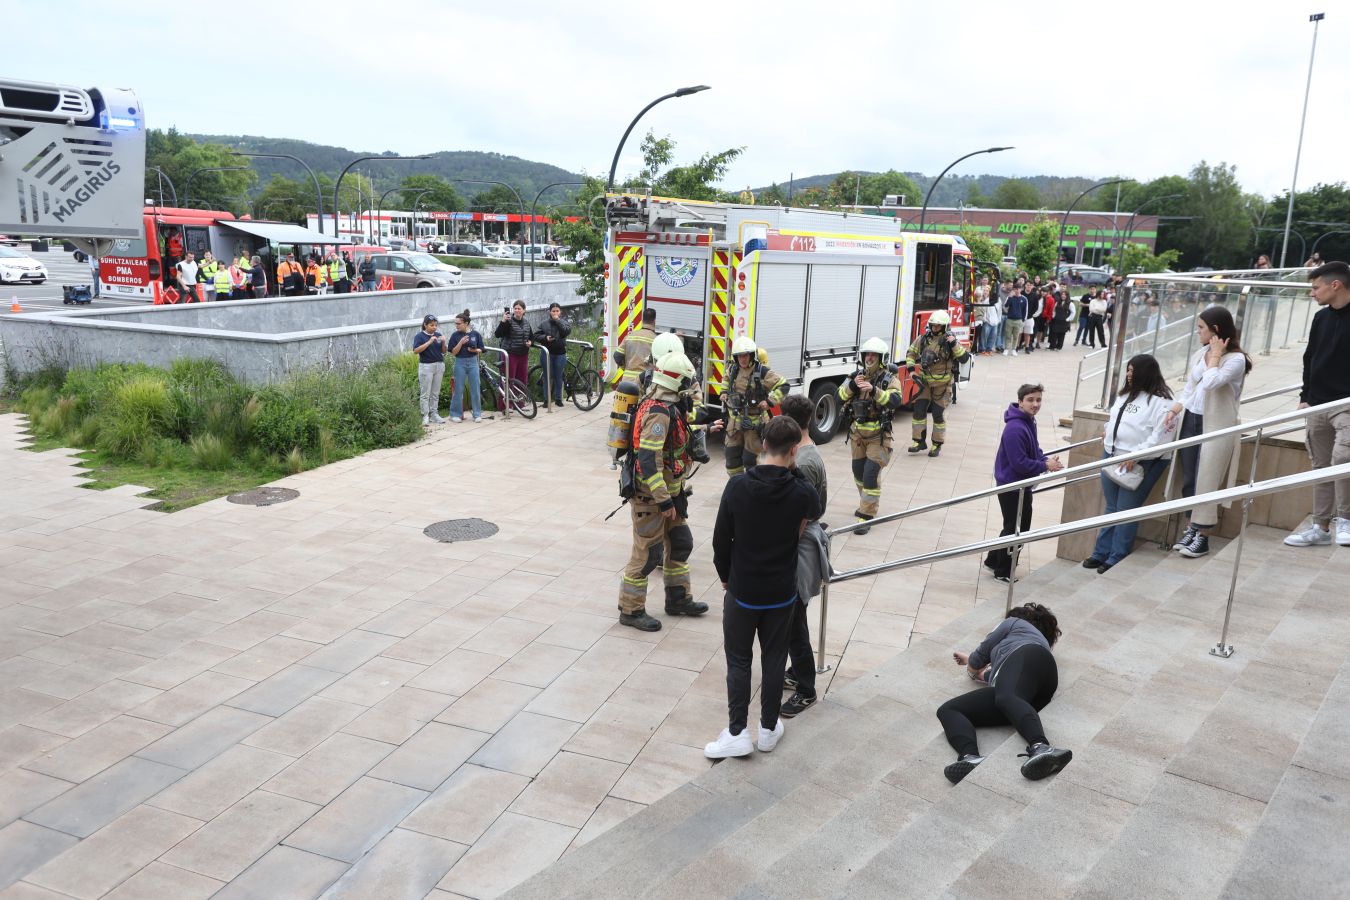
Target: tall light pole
518	200
379	216
318	194
337	187
417	200
1316	19
535	205
923	214
1129	227
613	166
1064	222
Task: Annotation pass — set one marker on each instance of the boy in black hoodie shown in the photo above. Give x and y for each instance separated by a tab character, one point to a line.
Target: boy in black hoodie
762	514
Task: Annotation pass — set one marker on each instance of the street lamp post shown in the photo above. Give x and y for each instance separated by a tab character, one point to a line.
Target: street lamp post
682	92
1129	227
923	214
1064	221
535	205
337	187
1316	19
417	200
379	216
318	194
518	200
187	186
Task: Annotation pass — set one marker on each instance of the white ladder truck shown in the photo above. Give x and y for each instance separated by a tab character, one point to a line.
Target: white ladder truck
808	286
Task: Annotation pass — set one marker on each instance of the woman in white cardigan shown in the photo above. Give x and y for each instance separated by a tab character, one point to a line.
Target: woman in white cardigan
1209	402
1138	420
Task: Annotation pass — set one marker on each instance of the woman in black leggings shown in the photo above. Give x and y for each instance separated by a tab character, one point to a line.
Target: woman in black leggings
1015	660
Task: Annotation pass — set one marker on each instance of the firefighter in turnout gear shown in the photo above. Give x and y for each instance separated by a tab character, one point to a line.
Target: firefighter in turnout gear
936	353
660	505
691	401
871	396
635	353
751	388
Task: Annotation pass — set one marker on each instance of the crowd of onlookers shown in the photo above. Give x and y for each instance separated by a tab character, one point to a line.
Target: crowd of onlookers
1025	314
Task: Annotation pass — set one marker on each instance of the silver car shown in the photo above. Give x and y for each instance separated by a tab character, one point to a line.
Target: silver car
410	269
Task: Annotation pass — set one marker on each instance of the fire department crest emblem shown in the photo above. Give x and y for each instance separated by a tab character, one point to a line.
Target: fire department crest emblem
632	274
676	271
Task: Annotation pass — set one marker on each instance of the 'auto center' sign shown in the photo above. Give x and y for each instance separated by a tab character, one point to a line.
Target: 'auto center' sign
124	271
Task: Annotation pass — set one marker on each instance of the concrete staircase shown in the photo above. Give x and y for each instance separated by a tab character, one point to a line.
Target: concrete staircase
1193	776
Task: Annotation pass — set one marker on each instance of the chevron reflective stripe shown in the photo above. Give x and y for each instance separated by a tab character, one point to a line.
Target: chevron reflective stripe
723	261
632	283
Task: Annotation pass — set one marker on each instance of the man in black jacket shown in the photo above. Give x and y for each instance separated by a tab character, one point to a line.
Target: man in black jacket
517	338
1326	378
761	516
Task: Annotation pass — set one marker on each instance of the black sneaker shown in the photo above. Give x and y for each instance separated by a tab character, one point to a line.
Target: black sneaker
1187	536
797	703
1043	761
789	681
962	767
1005	578
1198	546
1091	562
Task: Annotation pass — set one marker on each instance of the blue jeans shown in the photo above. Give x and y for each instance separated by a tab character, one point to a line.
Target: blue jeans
1116	542
983	344
557	369
466	374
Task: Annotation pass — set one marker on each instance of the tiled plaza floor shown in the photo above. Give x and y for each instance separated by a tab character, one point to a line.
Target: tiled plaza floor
282	701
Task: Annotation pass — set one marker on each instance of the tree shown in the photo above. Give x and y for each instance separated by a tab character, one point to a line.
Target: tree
285	200
975	196
696	181
875	187
582	235
773	195
1322	210
1038	248
1220	232
981	247
180	156
498	199
1138	258
440	194
1015	194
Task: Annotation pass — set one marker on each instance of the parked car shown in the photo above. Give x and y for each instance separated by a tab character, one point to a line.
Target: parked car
501	251
1080	274
464	249
17	267
411	269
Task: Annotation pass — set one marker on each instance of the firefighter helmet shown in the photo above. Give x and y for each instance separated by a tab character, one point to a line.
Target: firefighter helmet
743	344
874	345
665	343
674	371
940	317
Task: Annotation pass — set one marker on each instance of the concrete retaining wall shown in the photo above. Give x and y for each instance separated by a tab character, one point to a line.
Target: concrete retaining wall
263	340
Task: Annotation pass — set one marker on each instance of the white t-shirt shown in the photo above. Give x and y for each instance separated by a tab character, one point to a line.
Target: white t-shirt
1141	424
1232	369
187	272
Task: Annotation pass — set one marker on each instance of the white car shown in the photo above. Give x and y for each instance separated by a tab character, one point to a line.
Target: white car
17	267
502	251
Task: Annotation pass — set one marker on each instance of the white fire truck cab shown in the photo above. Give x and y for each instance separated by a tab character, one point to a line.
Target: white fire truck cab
808	286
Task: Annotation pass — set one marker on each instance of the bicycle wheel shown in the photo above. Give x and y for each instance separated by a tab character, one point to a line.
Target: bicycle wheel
490	390
587	388
522	401
535	380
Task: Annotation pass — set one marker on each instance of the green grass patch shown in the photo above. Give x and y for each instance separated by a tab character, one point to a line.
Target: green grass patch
464	262
192	432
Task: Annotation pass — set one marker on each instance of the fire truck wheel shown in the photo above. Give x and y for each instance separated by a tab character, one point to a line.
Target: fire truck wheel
825	421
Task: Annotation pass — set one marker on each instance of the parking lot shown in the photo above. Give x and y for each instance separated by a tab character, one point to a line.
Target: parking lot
64	270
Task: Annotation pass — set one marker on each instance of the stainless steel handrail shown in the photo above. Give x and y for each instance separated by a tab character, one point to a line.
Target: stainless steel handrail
1073	446
1082	472
1275	393
502	372
1013	542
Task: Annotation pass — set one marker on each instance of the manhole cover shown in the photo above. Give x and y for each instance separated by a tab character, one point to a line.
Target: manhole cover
263	496
452	530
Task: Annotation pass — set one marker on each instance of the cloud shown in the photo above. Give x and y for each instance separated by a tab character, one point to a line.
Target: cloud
1144	90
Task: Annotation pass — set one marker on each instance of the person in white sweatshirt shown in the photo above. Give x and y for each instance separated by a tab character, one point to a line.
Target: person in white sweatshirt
1138	420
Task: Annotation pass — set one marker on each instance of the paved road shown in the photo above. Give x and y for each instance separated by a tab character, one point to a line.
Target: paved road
64	270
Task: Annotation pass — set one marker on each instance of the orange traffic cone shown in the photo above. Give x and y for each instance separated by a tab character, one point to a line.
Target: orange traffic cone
14	305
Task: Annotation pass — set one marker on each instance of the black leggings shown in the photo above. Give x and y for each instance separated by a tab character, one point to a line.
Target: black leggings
1026	681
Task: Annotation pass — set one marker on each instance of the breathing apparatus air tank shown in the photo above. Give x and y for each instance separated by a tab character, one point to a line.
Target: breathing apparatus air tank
625	401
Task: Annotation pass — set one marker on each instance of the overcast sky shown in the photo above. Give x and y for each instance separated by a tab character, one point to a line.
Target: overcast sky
1140	89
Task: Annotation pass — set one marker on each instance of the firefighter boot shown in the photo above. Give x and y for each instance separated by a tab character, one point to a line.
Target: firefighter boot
936	449
698	445
920	443
679	603
862	517
640	620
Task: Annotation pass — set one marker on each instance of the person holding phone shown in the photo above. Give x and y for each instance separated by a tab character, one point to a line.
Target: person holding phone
429	345
465	346
517	338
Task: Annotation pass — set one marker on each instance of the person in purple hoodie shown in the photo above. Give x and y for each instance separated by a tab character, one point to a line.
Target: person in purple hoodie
1019	457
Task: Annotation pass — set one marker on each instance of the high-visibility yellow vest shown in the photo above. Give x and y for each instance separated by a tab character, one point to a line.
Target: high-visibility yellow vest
222	280
336	271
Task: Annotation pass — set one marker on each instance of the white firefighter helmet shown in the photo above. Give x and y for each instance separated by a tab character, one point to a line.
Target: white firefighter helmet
674	371
743	344
940	317
665	343
874	345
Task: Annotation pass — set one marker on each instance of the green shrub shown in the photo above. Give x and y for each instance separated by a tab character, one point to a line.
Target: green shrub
139	412
295	461
210	452
284	420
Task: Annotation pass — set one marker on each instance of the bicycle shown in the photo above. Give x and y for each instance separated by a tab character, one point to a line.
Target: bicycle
581	382
494	388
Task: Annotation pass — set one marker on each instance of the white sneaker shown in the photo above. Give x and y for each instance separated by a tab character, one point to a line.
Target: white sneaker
426	420
478	418
437	420
456	419
1315	536
1014	353
1342	529
728	744
769	739
1007	353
